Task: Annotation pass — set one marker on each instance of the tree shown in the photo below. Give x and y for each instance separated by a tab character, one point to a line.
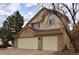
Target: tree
4	33
15	22
70	11
11	27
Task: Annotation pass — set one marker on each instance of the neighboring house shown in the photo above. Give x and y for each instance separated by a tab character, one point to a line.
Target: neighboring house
45	31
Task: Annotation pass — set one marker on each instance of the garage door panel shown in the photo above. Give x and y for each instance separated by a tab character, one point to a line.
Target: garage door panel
28	43
50	43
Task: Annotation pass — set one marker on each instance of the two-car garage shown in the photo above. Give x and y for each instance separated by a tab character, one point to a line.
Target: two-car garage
44	43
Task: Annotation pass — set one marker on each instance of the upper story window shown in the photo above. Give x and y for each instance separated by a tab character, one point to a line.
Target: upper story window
36	25
51	20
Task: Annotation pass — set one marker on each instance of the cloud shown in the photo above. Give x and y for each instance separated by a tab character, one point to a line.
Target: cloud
30	14
31	4
8	8
28	17
2	18
25	23
13	7
3	13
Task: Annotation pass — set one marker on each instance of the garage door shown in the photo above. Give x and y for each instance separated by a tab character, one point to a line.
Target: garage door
28	43
50	43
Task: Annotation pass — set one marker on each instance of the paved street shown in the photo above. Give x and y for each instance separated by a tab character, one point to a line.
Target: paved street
13	51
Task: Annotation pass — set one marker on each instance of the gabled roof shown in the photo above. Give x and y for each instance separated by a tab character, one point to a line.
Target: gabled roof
51	11
25	29
36	15
44	32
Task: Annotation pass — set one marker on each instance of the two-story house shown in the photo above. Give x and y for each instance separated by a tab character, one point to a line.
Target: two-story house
45	31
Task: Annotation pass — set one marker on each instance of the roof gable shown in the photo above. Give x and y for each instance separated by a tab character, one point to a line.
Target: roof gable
26	32
50	11
37	15
45	10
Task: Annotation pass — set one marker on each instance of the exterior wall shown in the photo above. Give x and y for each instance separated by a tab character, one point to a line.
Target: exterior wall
50	43
26	33
56	23
55	43
39	17
28	43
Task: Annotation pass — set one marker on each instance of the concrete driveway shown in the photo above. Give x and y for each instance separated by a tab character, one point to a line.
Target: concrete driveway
13	51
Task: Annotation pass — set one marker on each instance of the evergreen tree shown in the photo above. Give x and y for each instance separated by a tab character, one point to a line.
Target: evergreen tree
11	27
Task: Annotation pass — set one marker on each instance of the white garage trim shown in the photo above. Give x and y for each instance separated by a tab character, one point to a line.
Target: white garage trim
50	43
28	43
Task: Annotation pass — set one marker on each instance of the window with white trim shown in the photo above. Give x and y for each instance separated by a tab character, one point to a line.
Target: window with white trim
51	20
36	25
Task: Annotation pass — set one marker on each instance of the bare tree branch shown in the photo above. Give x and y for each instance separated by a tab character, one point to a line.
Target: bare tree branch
76	11
75	6
53	6
64	12
72	10
67	8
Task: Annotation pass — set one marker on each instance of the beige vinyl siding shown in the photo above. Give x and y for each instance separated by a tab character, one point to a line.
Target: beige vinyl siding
50	43
26	33
39	17
56	23
28	43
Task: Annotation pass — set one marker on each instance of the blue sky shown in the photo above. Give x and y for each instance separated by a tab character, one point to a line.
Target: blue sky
28	10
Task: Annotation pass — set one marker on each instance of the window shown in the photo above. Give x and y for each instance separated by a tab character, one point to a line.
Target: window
36	25
51	20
